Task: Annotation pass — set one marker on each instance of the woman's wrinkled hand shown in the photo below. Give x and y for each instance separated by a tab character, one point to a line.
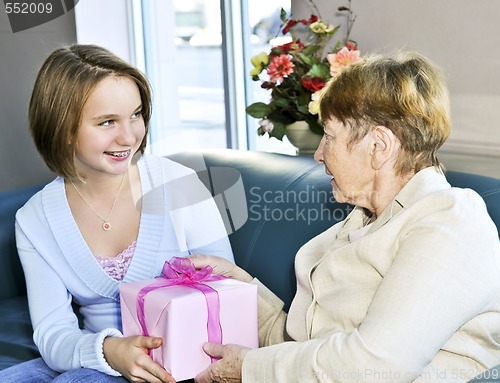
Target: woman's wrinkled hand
220	266
228	368
129	356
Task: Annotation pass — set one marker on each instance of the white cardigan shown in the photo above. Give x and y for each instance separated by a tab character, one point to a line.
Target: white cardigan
178	217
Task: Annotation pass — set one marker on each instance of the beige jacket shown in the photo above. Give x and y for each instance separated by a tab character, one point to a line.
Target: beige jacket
415	299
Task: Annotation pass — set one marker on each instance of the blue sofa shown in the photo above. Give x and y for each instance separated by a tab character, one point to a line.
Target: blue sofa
288	202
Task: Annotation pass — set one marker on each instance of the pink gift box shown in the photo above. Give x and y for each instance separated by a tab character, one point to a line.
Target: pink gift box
178	314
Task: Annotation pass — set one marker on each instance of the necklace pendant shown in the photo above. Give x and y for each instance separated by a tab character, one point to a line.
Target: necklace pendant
106	226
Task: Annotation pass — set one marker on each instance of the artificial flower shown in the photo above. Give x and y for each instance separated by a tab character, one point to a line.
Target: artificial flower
280	67
295	73
341	59
313	84
265	126
313	106
320	27
351	45
259	62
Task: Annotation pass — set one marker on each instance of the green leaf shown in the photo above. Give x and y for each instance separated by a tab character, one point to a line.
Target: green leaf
283	16
311	50
335	30
284	117
315	126
278	131
305	58
258	110
303	99
319	71
281	103
304	109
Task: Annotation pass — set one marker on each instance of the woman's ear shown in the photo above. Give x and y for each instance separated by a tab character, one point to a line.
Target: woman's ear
384	146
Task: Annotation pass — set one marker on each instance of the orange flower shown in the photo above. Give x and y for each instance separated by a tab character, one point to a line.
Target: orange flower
280	67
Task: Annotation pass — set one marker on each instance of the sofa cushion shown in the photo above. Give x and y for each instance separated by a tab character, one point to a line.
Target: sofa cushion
488	188
289	201
16	332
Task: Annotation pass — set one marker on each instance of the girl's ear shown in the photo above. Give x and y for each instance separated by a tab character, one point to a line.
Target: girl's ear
384	146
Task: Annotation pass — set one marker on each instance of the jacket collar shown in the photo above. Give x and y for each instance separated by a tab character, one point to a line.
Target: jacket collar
423	183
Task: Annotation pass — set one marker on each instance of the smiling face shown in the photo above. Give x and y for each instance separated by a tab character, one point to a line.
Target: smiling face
350	166
111	128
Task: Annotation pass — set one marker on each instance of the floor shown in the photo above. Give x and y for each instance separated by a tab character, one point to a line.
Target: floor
484	165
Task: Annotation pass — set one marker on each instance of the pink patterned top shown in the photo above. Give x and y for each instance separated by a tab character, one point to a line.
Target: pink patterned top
117	267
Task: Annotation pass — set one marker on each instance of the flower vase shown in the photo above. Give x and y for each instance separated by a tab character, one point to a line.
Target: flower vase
302	138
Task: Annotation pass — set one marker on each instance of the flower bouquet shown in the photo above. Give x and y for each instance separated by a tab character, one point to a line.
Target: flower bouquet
295	72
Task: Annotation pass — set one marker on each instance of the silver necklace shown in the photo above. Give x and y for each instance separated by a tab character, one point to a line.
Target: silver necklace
106	226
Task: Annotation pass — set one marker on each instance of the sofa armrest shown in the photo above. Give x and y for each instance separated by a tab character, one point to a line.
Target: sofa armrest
12	282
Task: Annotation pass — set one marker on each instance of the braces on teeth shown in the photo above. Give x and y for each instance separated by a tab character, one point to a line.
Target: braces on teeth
119	154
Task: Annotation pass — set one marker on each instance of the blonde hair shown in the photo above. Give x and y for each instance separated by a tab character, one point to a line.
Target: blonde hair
65	81
406	93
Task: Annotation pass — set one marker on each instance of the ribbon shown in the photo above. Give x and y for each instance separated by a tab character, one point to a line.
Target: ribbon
181	272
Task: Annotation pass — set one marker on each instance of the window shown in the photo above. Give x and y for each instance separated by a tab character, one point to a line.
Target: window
265	23
198	99
184	63
196	105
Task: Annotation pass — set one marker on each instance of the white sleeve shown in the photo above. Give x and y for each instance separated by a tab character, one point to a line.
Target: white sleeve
62	344
197	221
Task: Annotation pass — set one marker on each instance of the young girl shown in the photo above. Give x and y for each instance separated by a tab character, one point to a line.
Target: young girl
113	215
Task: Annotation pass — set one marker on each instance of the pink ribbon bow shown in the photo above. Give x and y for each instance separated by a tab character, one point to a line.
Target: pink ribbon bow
181	272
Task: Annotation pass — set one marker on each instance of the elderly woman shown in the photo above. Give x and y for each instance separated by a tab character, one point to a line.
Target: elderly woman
407	287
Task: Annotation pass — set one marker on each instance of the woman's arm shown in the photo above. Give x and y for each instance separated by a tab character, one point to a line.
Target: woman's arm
272	318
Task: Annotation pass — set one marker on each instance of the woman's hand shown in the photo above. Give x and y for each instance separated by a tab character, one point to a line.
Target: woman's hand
129	356
228	368
220	266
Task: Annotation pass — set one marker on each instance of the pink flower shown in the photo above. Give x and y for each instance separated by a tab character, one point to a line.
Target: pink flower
266	126
341	59
280	67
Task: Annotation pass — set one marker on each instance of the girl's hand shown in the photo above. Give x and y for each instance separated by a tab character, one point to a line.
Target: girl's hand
228	368
129	356
220	266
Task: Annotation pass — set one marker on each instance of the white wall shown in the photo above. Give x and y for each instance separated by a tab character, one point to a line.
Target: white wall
106	23
459	35
21	55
